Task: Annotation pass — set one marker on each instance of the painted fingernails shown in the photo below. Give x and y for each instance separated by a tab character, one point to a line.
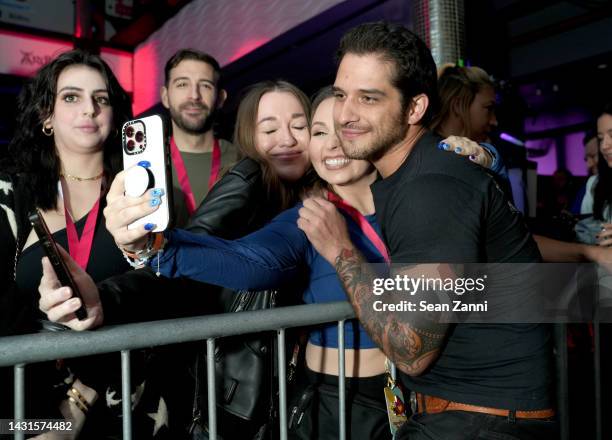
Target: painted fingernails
144	164
149	226
458	149
443	146
472	158
155	202
157	192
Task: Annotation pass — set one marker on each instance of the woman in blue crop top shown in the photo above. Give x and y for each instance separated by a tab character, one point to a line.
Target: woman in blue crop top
275	254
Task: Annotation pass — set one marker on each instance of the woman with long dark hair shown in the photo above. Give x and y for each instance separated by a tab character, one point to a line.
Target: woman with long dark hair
62	158
598	195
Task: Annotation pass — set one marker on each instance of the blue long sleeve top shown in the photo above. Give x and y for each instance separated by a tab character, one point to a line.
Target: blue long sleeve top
269	258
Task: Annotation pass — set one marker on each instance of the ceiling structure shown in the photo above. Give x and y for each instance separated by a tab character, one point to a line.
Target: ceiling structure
552	57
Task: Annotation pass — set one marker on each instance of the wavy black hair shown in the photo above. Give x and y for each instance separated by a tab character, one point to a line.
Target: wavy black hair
602	193
33	155
415	69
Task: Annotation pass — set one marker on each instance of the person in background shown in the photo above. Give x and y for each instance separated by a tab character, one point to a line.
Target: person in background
467	103
598	197
558	197
193	94
467	108
598	229
591	155
591	152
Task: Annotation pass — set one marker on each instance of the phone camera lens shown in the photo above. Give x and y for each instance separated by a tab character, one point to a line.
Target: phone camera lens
139	136
130	145
129	131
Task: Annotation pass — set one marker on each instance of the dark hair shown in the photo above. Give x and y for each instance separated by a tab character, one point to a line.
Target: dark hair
317	184
33	154
415	69
192	54
321	95
602	193
457	89
281	194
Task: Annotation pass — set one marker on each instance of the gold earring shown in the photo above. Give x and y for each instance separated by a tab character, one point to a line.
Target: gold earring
47	131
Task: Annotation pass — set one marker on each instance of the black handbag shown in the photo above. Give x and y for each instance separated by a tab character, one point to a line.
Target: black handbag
242	363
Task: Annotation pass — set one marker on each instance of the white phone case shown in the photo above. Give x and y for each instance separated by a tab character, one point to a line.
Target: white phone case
144	140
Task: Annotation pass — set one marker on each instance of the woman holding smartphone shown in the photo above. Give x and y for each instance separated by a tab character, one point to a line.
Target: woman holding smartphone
62	159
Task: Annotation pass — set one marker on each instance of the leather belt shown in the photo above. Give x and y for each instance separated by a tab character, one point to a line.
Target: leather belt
433	405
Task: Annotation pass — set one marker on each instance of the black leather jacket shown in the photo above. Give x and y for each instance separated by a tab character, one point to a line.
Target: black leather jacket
234	207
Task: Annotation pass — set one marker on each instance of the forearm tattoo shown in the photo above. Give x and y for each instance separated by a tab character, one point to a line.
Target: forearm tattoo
411	340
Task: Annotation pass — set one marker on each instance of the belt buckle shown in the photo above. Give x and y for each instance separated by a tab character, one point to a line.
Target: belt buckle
413	402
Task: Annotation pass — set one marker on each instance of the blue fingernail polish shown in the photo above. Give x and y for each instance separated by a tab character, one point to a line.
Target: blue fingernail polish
149	226
155	202
157	192
458	149
144	164
443	146
472	157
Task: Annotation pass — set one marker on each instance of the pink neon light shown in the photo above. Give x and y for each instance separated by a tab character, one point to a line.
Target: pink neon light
121	64
147	73
247	47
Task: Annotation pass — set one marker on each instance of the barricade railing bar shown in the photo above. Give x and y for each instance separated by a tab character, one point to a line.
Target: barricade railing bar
17	351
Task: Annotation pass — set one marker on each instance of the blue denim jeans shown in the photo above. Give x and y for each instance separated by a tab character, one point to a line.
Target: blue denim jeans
463	425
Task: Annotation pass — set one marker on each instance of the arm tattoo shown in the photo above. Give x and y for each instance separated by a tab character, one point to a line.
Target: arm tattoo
411	340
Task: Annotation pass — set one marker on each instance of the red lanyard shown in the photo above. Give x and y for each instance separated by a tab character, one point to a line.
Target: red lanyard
183	178
80	250
363	224
215	166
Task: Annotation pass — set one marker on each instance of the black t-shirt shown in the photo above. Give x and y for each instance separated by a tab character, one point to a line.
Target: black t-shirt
440	208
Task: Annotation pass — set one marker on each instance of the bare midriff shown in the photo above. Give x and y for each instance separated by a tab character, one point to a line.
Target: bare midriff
365	362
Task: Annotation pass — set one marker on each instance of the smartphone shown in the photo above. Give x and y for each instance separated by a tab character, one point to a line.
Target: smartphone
59	266
145	144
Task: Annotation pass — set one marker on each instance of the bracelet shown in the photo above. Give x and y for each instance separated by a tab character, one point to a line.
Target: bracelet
77	398
488	148
140	258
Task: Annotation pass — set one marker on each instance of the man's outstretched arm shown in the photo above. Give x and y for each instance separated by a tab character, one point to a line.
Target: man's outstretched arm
411	340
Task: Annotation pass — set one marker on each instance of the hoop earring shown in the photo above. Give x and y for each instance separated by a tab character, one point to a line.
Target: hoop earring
47	131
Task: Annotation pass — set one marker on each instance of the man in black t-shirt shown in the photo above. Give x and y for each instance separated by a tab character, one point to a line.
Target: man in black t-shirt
471	380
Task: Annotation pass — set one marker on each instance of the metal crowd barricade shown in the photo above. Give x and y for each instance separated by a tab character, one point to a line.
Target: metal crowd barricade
17	351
